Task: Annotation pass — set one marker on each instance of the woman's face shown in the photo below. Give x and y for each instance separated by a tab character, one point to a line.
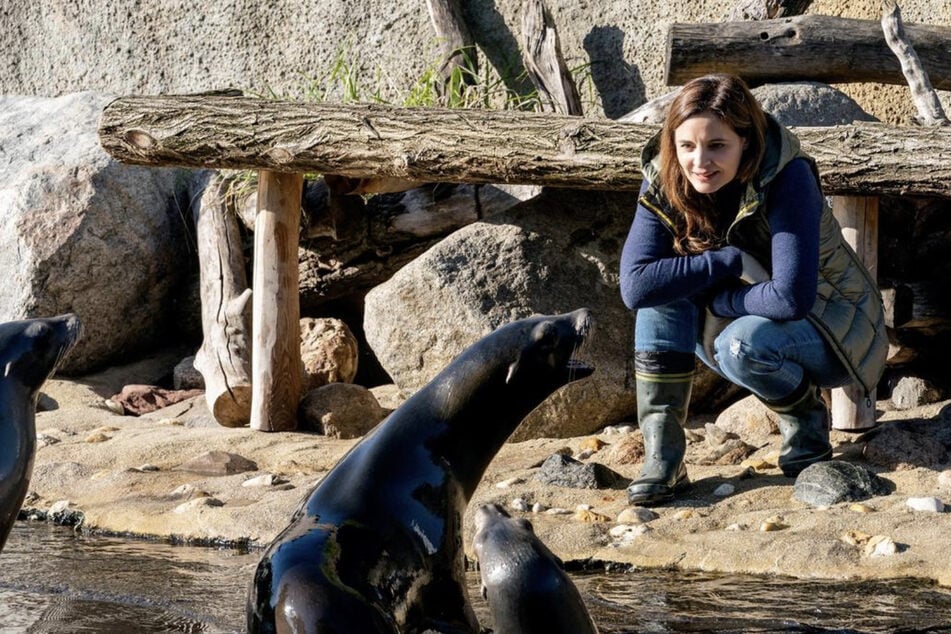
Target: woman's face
708	151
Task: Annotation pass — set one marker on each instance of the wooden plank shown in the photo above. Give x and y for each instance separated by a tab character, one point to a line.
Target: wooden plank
802	48
858	216
275	320
477	146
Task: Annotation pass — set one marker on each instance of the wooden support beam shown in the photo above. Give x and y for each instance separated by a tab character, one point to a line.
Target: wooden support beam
275	320
477	146
802	48
858	216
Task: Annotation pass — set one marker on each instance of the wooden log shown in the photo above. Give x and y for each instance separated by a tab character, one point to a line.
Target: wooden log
545	63
224	358
275	359
802	48
476	146
926	101
852	409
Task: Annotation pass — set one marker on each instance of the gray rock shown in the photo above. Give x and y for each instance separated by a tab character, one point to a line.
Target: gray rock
828	483
186	377
913	391
564	471
81	232
909	443
809	103
217	463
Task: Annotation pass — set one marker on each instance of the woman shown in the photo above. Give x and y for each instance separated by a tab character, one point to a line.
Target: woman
734	256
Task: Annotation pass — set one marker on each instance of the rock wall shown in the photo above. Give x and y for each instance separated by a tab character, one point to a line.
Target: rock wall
288	47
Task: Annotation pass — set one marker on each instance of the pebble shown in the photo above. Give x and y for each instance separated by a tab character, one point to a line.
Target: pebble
504	484
197	503
147	468
616	430
113	407
625	533
45	440
855	538
59	507
736	527
724	490
519	504
585	515
636	515
583	507
557	510
931	505
880	546
538	507
861	508
265	480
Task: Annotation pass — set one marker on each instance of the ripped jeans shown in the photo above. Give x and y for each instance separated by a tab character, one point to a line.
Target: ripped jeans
769	358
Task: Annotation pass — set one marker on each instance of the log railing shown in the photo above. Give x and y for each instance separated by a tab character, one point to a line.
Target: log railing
282	140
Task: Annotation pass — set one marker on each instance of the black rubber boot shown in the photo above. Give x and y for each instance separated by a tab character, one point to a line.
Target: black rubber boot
804	427
664	381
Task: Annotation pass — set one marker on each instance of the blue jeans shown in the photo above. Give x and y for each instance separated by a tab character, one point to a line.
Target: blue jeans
769	358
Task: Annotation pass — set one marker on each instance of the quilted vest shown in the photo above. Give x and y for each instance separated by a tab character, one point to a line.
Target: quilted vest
848	311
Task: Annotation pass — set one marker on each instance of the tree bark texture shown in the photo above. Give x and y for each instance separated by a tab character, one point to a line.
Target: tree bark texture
476	146
926	101
545	63
224	358
455	40
802	48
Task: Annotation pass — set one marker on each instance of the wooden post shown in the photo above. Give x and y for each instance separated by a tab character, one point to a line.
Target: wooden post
275	322
858	216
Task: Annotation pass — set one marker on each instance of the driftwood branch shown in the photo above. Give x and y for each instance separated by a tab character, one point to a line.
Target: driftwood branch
926	101
455	40
803	48
477	146
545	63
224	358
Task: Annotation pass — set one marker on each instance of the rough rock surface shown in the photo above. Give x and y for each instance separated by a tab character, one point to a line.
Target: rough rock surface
82	233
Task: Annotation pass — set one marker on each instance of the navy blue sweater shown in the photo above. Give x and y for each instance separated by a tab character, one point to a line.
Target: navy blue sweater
652	274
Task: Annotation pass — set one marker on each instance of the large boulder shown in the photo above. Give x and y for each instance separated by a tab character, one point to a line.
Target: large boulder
552	254
81	232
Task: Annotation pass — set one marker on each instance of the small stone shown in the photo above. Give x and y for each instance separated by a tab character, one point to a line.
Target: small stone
855	538
217	463
861	508
113	407
146	468
583	507
724	490
196	504
627	533
266	480
636	515
617	430
591	516
880	546
519	504
931	505
736	527
538	507
59	507
683	514
770	526
45	440
557	510
98	437
504	484
758	464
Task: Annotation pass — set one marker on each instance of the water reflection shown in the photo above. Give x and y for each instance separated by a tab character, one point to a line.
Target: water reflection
54	581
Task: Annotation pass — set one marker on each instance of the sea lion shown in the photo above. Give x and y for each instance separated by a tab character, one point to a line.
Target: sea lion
377	545
524	583
30	351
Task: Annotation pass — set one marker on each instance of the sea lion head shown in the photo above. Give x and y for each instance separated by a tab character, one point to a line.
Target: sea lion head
32	349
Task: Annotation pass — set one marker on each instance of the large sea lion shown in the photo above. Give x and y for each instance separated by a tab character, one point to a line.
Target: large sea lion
30	351
524	583
377	546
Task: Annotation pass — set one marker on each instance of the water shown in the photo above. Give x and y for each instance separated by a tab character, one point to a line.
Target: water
55	581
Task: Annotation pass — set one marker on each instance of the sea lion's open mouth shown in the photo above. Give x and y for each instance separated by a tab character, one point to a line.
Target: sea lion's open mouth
584	326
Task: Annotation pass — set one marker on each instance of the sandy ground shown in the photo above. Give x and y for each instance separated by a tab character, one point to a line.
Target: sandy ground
120	471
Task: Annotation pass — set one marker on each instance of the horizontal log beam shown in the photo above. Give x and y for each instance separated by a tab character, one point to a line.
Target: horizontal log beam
803	48
476	146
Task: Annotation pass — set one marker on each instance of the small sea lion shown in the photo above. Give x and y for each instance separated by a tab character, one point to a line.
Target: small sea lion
377	545
30	351
524	583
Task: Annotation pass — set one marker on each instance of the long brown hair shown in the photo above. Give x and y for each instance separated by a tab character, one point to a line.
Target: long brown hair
729	99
